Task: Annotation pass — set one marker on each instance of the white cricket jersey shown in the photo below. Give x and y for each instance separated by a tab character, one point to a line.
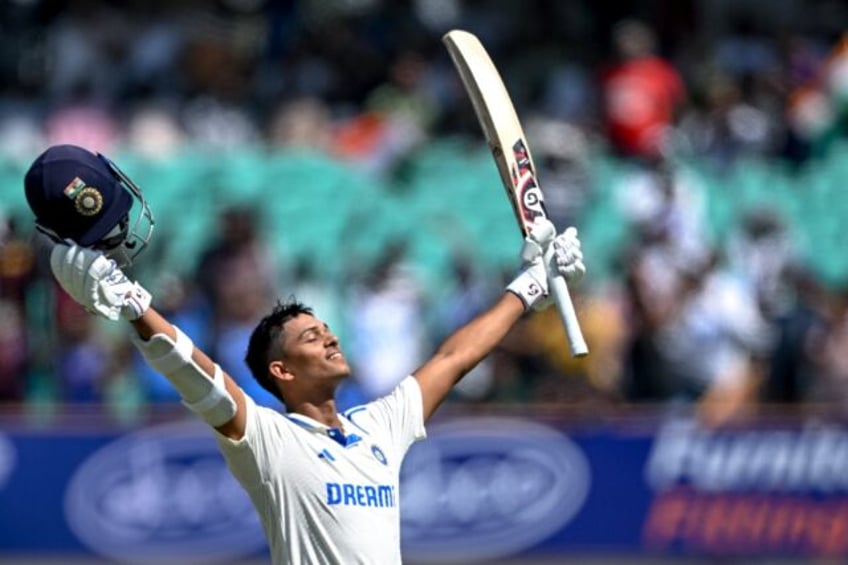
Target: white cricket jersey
325	496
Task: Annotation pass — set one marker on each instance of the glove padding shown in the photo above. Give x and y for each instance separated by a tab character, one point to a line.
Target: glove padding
97	284
567	260
531	284
563	256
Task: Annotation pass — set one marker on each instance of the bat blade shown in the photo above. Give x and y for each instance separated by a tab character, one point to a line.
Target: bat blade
505	137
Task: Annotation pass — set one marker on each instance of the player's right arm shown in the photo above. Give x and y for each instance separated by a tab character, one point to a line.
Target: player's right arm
151	325
100	287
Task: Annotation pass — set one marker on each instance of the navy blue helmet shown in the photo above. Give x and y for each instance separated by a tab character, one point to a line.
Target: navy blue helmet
84	197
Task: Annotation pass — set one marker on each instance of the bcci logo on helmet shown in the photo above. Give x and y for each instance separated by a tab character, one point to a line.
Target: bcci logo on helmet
89	201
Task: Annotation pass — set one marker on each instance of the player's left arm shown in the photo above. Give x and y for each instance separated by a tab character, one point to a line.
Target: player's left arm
464	349
467	346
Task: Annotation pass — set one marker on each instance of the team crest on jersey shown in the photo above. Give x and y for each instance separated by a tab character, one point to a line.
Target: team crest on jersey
379	455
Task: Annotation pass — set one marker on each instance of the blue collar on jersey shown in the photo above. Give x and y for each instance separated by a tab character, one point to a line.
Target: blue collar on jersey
336	434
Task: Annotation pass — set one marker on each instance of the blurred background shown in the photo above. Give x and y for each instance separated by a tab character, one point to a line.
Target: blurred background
326	150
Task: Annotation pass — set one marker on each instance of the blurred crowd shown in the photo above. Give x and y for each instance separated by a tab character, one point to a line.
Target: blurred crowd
684	320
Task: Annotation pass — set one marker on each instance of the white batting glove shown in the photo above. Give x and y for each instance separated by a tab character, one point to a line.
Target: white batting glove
567	260
531	284
97	284
136	302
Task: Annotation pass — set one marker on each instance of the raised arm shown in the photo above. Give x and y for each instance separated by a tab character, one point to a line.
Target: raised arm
466	347
99	286
192	379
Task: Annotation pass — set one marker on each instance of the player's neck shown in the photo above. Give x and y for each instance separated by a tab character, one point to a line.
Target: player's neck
324	412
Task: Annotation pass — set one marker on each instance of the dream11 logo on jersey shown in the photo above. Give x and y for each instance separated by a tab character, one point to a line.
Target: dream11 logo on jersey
484	488
162	493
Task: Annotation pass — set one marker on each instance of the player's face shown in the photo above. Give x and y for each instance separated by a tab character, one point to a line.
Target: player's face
311	350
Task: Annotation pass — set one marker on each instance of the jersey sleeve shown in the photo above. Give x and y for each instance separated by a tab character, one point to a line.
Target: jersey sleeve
246	457
400	415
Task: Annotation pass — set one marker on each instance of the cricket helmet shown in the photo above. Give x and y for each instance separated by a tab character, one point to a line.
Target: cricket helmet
85	197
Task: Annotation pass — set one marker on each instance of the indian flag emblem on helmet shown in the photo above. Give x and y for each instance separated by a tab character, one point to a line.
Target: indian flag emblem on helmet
74	187
89	201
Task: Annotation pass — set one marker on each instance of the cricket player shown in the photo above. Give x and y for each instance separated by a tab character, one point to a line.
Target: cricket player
324	483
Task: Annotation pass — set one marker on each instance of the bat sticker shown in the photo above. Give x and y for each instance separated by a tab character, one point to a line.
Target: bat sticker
530	201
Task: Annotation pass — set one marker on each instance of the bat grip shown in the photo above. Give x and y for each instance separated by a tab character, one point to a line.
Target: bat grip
559	290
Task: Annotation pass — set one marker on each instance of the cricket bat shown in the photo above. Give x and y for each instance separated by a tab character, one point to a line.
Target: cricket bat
506	139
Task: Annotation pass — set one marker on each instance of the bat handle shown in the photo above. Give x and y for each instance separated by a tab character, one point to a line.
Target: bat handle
559	290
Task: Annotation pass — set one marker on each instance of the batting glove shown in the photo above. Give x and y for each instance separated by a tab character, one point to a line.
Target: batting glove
568	257
97	284
531	284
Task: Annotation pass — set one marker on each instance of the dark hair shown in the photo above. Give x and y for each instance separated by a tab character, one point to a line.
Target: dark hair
265	342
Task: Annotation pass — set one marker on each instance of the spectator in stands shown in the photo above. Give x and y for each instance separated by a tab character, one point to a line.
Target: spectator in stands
236	273
84	121
595	378
763	251
303	124
826	353
387	329
14	353
660	197
397	118
154	133
17	272
82	360
792	365
642	94
464	296
730	124
561	154
698	336
817	109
